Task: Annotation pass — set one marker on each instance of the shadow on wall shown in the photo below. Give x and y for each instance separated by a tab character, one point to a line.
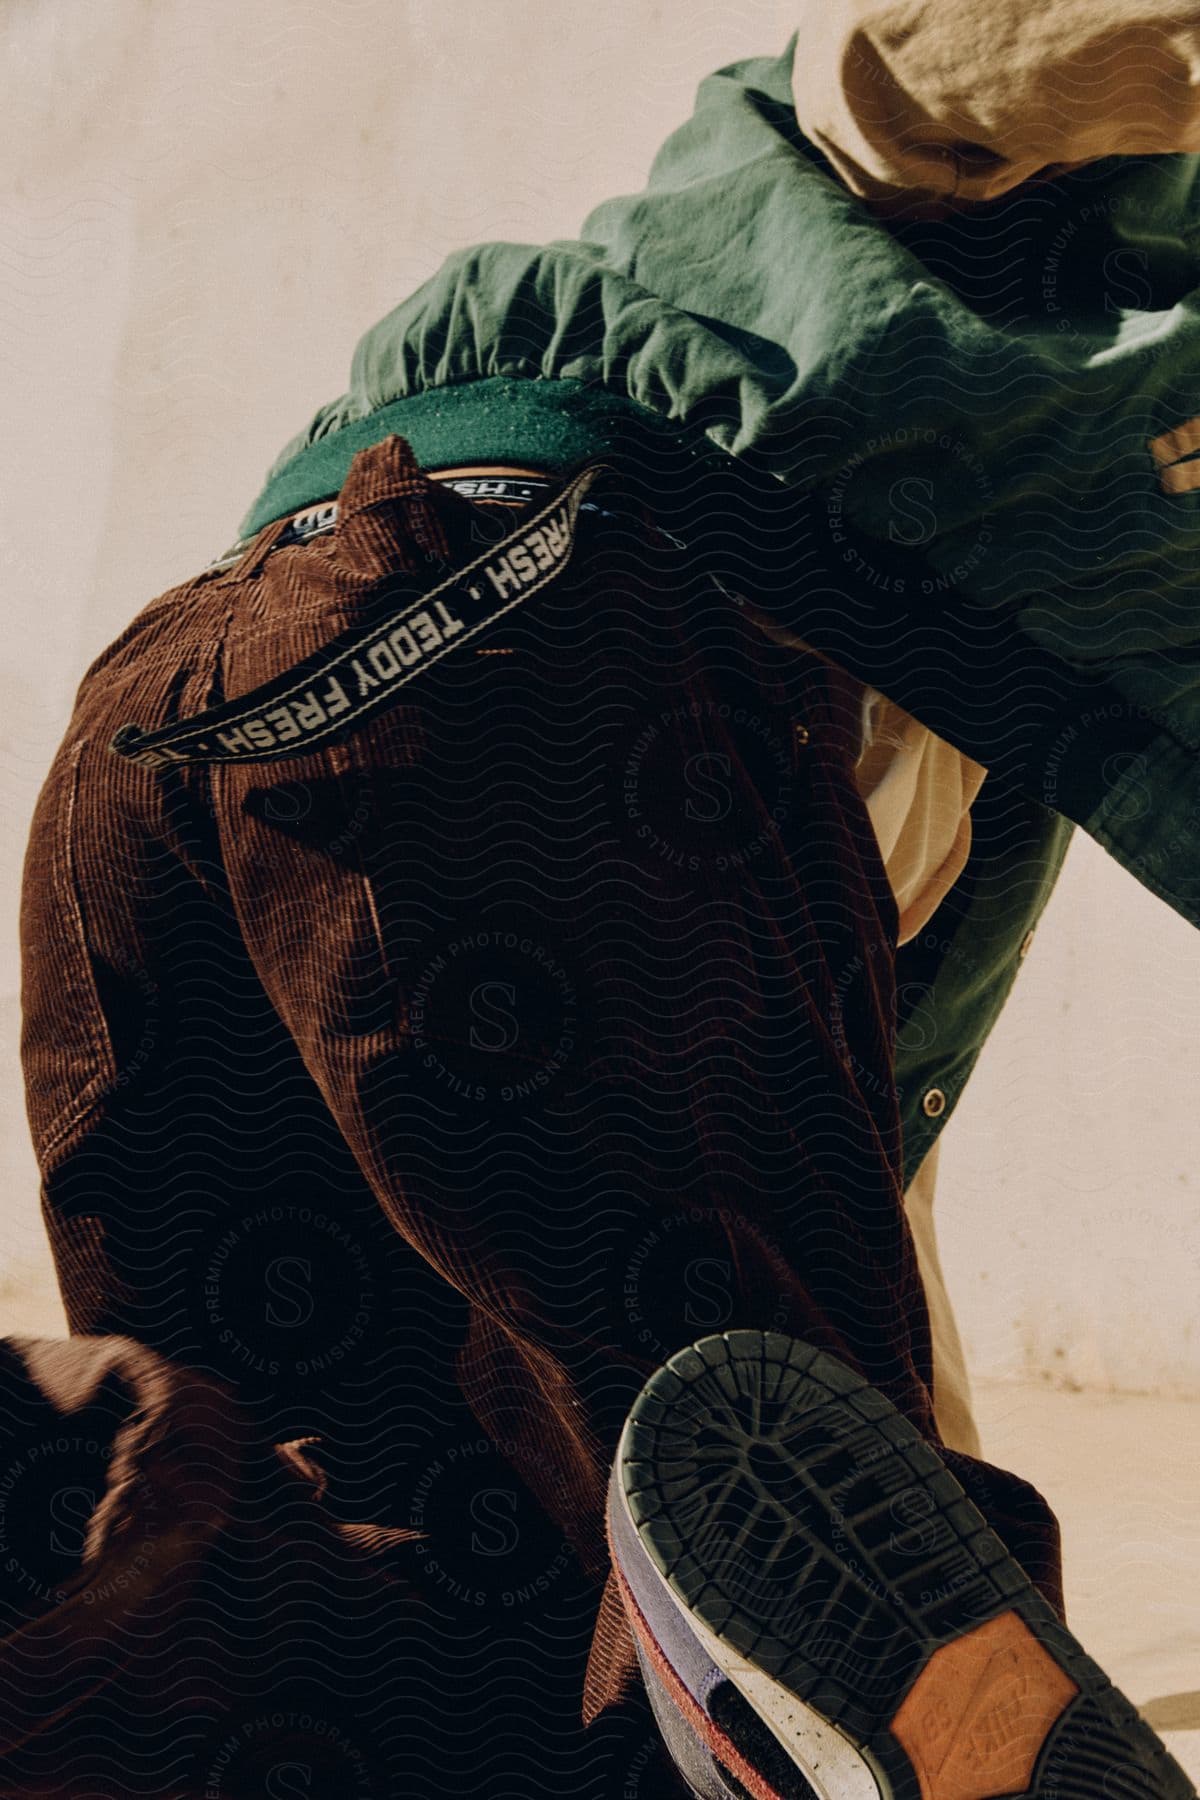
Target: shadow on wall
1173	1712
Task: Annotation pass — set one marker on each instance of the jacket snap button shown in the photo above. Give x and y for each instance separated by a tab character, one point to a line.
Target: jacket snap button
934	1103
1026	941
800	733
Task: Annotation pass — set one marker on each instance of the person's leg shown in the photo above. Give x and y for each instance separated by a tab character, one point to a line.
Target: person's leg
494	1053
118	1475
563	940
202	1199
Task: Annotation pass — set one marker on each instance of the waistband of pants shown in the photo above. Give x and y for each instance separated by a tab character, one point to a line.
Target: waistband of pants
361	669
516	487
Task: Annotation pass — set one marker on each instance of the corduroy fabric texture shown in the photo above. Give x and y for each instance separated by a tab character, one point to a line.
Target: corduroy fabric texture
430	1089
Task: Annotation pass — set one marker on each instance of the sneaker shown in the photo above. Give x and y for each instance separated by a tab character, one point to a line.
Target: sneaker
819	1610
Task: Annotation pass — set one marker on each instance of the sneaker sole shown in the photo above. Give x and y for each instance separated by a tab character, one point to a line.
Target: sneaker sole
834	1569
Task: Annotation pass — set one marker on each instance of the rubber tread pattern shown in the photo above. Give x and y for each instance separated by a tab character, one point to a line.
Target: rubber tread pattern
808	1524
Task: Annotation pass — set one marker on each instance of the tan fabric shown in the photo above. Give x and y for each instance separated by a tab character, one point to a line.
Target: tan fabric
952	1405
918	790
484	469
955	101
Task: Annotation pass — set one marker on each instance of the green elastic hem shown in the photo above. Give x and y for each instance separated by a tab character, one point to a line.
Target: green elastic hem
543	423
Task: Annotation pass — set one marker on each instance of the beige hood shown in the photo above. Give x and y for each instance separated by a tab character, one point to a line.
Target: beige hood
953	101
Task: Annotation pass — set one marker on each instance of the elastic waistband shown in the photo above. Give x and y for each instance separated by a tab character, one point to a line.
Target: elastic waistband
556	424
488	471
519	488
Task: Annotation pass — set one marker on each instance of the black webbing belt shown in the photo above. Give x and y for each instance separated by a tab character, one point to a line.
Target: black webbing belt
360	671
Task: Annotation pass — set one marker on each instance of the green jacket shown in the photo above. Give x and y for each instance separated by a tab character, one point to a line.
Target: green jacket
956	420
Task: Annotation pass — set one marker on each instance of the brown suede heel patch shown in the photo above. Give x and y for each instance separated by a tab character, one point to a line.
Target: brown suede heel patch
980	1711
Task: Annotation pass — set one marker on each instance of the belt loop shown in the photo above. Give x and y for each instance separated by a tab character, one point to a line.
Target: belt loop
258	551
389	511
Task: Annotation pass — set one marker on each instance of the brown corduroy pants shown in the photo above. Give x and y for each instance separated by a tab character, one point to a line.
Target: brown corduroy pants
400	1107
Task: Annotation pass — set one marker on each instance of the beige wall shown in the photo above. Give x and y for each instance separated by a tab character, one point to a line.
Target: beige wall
204	203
